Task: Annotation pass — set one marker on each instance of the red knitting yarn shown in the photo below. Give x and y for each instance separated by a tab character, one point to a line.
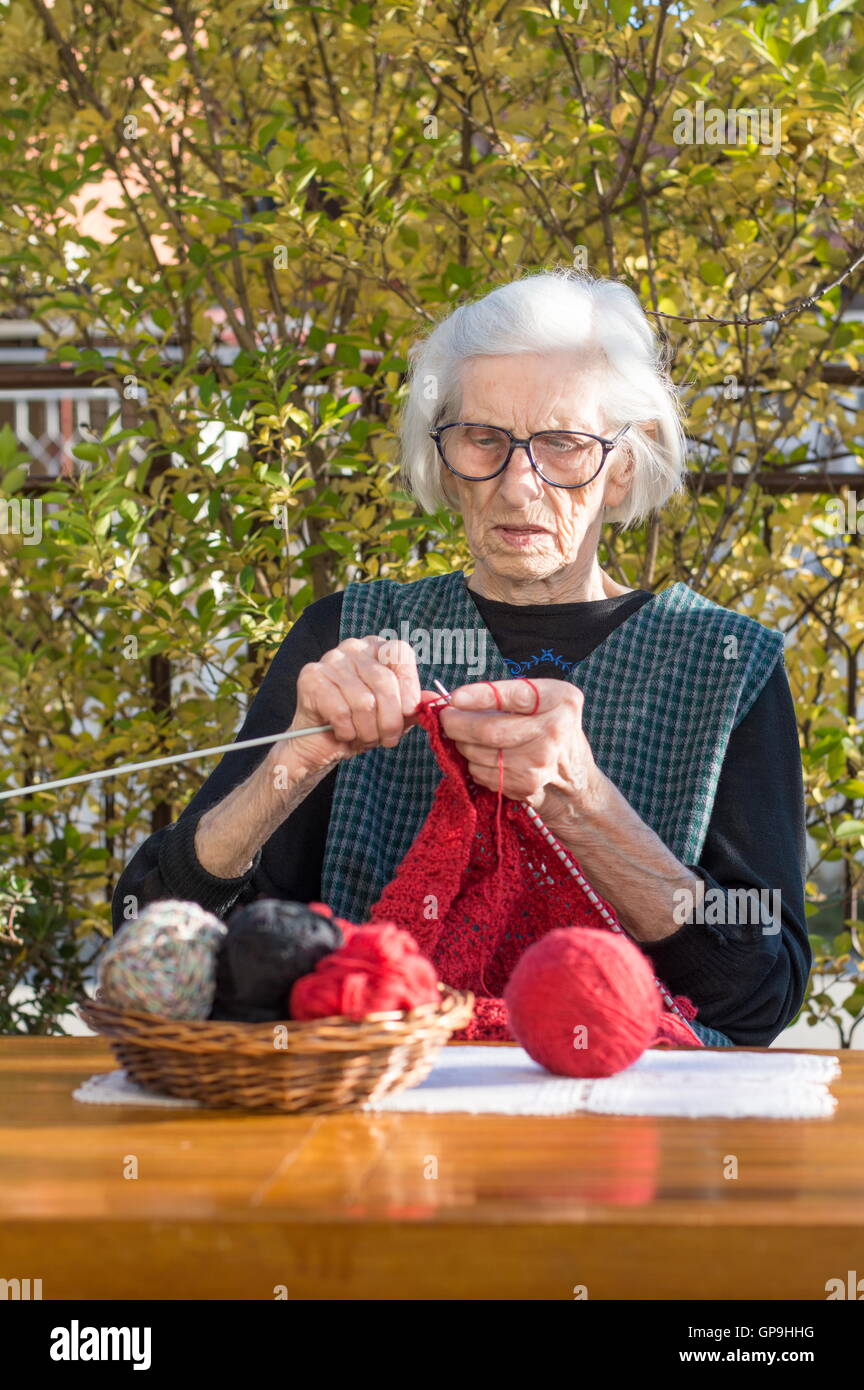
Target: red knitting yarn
583	1003
379	969
348	928
479	886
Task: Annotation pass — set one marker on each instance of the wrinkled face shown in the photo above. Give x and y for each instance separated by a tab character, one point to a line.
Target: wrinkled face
518	526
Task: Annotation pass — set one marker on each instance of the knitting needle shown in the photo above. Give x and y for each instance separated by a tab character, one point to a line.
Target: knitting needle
124	768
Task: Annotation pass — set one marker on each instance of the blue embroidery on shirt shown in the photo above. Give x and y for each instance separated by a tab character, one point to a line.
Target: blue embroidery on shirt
545	658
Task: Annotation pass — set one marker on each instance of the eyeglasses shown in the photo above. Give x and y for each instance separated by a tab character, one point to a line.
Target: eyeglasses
562	458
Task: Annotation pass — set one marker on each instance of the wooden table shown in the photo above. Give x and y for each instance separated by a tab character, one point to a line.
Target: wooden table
232	1205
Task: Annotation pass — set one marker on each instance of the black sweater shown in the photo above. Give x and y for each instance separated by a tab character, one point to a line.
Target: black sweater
744	981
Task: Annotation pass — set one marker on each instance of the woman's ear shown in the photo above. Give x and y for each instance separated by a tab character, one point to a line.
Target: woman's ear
620	478
619	483
624	466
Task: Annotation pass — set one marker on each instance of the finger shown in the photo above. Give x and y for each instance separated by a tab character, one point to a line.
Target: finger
399	658
384	685
514	696
513	788
484	776
491	730
371	692
330	704
477	753
488	777
361	646
360	701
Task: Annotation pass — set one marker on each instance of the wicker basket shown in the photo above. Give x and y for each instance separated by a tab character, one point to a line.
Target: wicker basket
326	1065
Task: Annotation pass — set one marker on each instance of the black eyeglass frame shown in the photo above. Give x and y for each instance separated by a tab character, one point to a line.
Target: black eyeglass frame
606	445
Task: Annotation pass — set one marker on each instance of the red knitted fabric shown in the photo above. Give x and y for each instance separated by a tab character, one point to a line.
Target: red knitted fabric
479	885
379	969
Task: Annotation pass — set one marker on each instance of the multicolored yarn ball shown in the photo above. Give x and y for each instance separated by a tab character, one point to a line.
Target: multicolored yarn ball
380	969
163	962
583	1002
269	945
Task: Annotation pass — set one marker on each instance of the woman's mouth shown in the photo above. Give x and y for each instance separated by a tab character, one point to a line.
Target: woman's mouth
521	536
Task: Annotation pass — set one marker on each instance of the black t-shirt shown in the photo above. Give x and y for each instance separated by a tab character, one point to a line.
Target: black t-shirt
744	981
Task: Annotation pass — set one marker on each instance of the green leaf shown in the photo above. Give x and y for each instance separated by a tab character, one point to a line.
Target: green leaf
344	545
458	275
269	131
15	479
278	158
204	604
10	454
746	230
712	272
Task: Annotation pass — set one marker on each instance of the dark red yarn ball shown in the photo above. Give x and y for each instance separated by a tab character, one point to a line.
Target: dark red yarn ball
583	1002
379	969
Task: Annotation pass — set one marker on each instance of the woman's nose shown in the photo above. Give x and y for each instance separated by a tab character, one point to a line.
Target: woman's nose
519	480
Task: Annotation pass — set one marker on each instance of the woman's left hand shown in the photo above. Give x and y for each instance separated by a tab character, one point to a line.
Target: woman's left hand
547	760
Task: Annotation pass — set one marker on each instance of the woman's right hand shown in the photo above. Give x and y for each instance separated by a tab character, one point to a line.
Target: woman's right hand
367	688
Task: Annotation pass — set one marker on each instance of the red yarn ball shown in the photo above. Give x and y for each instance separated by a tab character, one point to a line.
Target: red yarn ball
583	1002
378	970
348	928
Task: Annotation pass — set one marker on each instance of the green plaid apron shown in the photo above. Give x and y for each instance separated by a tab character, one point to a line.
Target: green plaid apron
663	693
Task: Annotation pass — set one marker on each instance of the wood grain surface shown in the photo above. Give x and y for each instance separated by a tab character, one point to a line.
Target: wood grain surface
229	1205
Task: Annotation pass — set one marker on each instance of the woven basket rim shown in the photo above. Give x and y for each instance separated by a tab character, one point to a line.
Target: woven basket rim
378	1030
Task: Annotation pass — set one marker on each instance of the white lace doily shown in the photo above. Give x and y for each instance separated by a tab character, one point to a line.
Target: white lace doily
504	1081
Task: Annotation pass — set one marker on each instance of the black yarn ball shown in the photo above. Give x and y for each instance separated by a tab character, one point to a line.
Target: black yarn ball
269	944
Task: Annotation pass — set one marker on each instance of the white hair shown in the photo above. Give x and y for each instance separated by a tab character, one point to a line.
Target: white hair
540	313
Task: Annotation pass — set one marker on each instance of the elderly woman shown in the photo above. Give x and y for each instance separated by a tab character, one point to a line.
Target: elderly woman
663	753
